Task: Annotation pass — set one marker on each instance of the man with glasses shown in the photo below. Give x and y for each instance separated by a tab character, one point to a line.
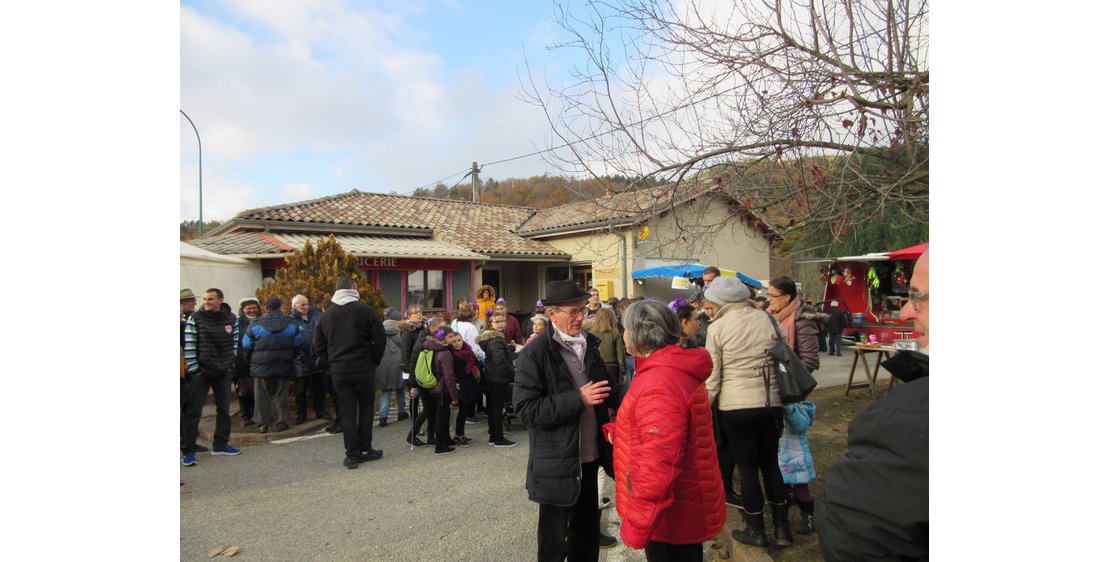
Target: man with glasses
876	499
562	395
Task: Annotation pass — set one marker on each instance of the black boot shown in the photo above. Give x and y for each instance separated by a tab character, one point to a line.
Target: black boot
805	527
781	517
754	533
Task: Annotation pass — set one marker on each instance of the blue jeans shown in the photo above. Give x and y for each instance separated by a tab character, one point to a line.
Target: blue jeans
630	365
402	397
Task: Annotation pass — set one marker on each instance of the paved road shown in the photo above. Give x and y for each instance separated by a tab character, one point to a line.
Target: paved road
296	501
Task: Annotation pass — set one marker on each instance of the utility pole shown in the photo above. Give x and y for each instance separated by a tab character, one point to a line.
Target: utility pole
474	182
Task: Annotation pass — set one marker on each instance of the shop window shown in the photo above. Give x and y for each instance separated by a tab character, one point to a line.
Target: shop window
427	289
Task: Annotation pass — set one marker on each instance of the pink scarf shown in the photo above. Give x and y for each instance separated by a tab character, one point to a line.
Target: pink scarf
786	319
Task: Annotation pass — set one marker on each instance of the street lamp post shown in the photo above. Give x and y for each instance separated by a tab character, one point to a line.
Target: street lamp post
200	178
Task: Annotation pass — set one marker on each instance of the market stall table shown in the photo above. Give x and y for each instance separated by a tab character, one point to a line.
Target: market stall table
861	351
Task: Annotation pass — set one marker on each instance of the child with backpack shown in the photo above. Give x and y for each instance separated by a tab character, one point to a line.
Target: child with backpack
796	462
446	390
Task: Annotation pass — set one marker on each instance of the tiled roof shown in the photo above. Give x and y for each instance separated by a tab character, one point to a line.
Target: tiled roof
482	228
636	205
279	243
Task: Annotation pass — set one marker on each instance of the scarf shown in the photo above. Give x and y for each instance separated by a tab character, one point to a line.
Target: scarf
344	296
576	343
786	320
466	355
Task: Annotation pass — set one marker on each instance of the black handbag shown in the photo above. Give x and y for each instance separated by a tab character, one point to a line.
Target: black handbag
795	380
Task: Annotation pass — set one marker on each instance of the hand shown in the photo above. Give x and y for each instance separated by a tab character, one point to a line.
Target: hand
413	393
594	393
454	402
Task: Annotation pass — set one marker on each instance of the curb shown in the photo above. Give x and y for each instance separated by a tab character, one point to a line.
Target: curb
238	439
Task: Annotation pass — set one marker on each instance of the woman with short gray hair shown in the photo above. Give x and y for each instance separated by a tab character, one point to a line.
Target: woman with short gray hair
669	493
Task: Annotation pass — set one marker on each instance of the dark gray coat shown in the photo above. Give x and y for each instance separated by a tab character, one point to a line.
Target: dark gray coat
388	374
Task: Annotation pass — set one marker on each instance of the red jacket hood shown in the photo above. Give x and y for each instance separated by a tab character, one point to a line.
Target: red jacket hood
694	362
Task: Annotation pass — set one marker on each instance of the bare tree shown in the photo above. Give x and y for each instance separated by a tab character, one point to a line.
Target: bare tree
813	112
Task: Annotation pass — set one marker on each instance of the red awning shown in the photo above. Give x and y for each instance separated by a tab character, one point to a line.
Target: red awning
911	253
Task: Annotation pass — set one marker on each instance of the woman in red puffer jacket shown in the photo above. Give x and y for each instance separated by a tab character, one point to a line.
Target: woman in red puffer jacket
669	493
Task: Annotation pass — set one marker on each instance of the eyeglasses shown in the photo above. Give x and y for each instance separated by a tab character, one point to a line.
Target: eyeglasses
575	312
916	297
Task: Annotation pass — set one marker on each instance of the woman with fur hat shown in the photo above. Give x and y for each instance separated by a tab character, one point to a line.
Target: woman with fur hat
241	379
487	304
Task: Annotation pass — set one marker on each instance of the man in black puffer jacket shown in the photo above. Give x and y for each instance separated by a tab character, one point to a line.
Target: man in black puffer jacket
561	393
273	341
350	342
211	340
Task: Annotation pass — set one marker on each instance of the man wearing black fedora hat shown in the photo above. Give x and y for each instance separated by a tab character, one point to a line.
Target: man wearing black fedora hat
561	395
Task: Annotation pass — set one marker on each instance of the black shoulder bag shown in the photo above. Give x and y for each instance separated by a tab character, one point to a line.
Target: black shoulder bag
795	380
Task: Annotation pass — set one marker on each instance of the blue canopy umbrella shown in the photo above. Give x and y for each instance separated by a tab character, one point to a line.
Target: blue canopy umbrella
689	271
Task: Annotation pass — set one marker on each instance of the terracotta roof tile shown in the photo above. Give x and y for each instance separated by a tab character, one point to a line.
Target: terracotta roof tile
482	228
636	205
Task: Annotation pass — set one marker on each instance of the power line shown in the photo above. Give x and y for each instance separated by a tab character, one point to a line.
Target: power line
589	138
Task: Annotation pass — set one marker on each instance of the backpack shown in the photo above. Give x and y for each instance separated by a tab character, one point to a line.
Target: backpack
424	375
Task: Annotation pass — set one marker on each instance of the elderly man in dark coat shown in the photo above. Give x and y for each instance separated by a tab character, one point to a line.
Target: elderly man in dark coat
562	395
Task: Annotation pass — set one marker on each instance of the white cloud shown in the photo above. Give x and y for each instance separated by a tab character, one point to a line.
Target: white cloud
222	198
297	192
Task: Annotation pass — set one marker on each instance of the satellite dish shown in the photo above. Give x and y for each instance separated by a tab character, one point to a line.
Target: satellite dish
642	234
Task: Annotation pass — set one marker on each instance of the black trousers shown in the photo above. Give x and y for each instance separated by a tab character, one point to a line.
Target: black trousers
573	532
442	421
753	436
465	411
725	459
430	407
356	407
310	385
667	552
495	414
197	393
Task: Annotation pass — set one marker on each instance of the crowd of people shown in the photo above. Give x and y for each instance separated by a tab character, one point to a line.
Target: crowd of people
658	405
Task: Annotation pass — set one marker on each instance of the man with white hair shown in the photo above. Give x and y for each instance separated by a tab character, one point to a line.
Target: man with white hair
562	395
876	500
310	380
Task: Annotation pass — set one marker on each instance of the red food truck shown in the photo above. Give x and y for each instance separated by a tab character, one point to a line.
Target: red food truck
871	289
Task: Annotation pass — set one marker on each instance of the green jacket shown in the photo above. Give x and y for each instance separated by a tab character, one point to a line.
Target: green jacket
612	350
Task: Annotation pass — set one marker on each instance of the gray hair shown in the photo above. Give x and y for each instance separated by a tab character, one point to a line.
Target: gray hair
299	298
651	325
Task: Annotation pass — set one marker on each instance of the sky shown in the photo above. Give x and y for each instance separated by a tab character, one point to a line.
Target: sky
296	100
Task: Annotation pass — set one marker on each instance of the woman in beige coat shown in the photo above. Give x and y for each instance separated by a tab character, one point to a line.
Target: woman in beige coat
746	388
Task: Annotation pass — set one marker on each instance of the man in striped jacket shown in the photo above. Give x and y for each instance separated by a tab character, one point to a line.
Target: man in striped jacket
211	341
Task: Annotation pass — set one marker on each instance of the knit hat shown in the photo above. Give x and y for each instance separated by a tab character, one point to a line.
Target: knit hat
392	314
248	300
727	289
273	303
